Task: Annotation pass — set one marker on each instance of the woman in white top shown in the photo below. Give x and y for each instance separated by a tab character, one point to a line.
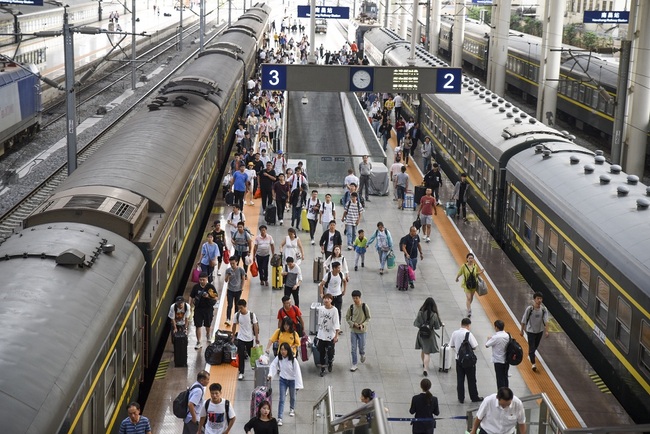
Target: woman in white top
292	247
290	378
262	251
336	256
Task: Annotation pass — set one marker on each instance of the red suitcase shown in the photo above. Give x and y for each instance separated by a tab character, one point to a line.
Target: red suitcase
402	277
304	348
260	394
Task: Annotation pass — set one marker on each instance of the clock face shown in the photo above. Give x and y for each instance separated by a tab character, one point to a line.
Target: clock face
361	79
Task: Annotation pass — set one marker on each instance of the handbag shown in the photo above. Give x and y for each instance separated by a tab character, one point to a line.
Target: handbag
258	193
417	224
254	269
482	287
390	260
226	255
411	272
196	273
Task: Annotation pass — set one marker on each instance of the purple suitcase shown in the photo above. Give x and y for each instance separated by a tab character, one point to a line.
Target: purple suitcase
259	395
402	277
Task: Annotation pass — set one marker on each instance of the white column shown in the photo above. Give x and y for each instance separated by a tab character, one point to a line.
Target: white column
434	26
549	72
458	35
499	46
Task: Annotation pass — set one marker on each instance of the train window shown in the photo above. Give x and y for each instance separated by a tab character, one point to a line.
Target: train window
567	264
539	236
552	249
134	336
110	389
472	164
623	323
511	207
87	422
581	93
528	223
602	301
124	352
444	129
518	213
583	282
644	353
155	275
489	176
465	155
169	256
176	238
480	181
569	87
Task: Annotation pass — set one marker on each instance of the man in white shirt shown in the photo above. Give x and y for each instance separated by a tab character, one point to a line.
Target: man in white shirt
217	415
327	212
499	343
249	329
334	283
351	178
500	413
456	341
195	402
252	182
313	213
395	170
329	325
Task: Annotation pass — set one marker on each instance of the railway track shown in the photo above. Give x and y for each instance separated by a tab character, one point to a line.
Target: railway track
150	54
13	218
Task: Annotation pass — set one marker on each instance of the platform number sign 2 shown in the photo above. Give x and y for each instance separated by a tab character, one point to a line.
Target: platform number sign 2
274	77
448	80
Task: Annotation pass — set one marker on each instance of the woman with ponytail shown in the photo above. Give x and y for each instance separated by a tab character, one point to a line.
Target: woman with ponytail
424	406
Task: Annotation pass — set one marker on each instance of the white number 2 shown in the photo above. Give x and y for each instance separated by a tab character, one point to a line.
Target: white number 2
449	84
274	79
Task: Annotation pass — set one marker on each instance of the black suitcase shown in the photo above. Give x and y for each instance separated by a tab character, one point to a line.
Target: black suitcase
180	349
230	198
270	214
417	195
318	269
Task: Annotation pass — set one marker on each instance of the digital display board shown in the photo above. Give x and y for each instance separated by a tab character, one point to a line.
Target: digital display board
335	12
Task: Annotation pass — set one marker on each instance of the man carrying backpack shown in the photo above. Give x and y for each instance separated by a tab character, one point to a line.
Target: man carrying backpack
358	317
464	343
535	322
499	343
195	402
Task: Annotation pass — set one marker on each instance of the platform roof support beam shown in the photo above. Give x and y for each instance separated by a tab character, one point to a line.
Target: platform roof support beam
549	71
434	26
498	50
458	35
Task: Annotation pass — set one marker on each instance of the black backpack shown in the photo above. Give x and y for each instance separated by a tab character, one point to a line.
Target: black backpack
466	356
425	329
179	406
471	282
514	352
207	404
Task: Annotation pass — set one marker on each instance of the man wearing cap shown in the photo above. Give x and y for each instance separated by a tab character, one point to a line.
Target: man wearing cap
251	182
279	162
203	298
179	315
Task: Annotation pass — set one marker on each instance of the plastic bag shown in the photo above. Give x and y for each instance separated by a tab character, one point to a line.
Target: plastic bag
254	269
411	274
256	352
258	193
196	273
226	256
390	260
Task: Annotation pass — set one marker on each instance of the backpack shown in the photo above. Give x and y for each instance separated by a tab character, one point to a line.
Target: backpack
466	356
254	326
471	282
179	406
327	282
514	352
207	404
425	329
297	325
363	307
530	312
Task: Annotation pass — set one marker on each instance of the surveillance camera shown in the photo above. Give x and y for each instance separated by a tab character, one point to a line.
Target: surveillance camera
304	100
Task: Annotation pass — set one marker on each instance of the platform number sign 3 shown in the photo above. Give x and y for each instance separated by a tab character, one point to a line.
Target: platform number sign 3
274	77
448	80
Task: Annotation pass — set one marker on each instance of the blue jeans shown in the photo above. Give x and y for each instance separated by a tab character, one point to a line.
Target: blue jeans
284	385
350	232
357	339
383	256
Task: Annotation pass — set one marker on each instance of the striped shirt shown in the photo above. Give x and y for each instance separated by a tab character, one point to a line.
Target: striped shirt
353	210
142	427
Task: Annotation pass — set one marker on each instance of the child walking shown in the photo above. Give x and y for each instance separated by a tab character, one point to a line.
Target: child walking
360	244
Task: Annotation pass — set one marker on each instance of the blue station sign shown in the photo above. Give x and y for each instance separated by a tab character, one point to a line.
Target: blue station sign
335	12
606	17
22	2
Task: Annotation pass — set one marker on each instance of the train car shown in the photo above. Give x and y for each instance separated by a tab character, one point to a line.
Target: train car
71	307
20	104
153	181
598	231
577	227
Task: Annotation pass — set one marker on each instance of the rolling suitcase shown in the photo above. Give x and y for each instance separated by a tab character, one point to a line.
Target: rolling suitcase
445	353
304	348
270	214
318	269
402	283
180	349
315	353
304	223
261	372
313	318
450	209
276	278
409	203
230	198
259	395
418	192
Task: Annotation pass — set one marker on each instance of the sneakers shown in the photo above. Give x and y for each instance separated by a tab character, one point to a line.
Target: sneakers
313	242
240	377
198	346
252	203
281	222
349	247
478	399
363	265
534	367
322	372
411	285
227	323
340	332
427	239
353	368
356	268
425	373
469	313
218	273
381	271
292	413
363	358
279	422
329	367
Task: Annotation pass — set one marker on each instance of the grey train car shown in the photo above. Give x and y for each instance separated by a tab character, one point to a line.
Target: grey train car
482	134
71	309
153	182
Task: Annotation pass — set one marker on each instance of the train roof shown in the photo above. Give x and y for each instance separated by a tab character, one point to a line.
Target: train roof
56	317
609	221
603	70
